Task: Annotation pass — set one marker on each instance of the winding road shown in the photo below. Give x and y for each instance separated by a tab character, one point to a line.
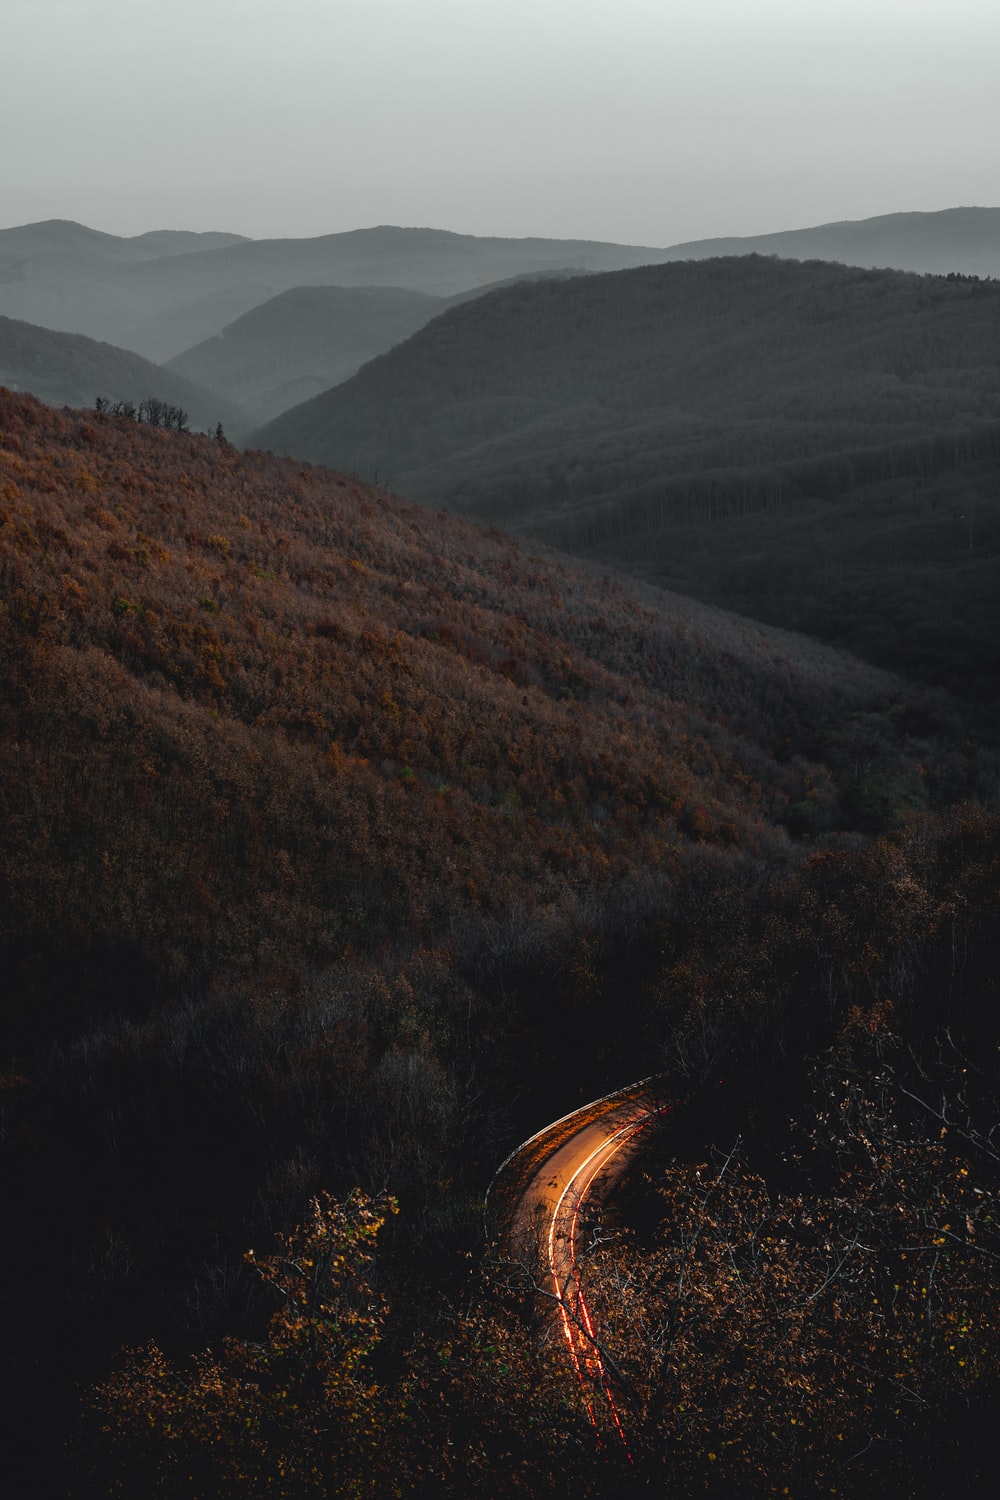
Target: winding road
573	1163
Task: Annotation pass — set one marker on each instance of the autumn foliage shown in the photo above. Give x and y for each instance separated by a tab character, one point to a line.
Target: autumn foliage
344	844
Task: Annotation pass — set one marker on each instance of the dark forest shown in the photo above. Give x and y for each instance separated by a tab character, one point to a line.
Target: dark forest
335	829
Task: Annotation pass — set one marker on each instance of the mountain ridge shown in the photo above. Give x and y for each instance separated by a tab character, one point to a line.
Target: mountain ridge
127	292
69	369
531	401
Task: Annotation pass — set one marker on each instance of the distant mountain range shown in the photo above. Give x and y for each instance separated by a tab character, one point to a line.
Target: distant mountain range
161	293
68	277
68	369
23	248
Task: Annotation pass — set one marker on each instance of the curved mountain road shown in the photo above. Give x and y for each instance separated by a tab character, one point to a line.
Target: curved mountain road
571	1164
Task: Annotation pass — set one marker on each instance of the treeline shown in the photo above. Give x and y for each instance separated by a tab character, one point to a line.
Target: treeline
157	413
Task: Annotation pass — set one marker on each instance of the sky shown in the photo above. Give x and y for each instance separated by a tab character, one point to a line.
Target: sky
641	121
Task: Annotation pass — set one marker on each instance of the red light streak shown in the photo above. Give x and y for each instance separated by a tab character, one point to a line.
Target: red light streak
575	1316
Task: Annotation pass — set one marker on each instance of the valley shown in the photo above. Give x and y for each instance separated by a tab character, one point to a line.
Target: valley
597	680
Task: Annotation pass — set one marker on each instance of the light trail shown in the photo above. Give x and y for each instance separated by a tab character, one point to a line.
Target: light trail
575	1315
549	1212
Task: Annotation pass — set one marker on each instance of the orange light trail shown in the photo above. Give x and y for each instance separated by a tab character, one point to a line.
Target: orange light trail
578	1312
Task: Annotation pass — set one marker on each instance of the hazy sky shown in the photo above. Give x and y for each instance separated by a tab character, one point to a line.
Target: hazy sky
648	121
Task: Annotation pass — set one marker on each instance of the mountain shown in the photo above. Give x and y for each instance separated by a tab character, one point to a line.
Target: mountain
343	840
62	275
302	342
555	400
118	290
963	240
308	626
160	293
19	245
812	445
67	369
308	339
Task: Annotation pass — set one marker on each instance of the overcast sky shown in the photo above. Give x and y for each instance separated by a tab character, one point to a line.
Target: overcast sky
646	121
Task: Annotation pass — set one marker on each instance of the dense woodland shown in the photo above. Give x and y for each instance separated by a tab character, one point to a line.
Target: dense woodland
335	828
532	404
902	570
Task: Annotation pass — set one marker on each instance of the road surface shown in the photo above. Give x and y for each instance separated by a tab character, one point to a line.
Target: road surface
546	1225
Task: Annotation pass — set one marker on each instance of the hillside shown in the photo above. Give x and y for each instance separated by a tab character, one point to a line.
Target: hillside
310	338
344	841
903	571
67	369
963	240
541	401
303	341
384	658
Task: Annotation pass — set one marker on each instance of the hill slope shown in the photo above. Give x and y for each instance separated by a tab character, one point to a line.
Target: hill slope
310	338
392	669
903	571
302	342
366	654
963	240
69	369
334	832
541	400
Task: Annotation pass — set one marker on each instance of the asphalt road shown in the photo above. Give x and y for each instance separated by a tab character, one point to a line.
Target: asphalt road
550	1218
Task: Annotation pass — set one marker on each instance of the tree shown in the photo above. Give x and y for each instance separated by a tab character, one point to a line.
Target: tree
811	1337
299	1412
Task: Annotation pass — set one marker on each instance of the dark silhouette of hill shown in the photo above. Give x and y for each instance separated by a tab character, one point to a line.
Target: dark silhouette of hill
340	837
588	395
302	342
308	339
963	240
67	369
901	570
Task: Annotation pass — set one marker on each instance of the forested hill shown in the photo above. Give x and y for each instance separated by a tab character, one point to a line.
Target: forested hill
303	341
428	719
539	400
344	841
69	369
